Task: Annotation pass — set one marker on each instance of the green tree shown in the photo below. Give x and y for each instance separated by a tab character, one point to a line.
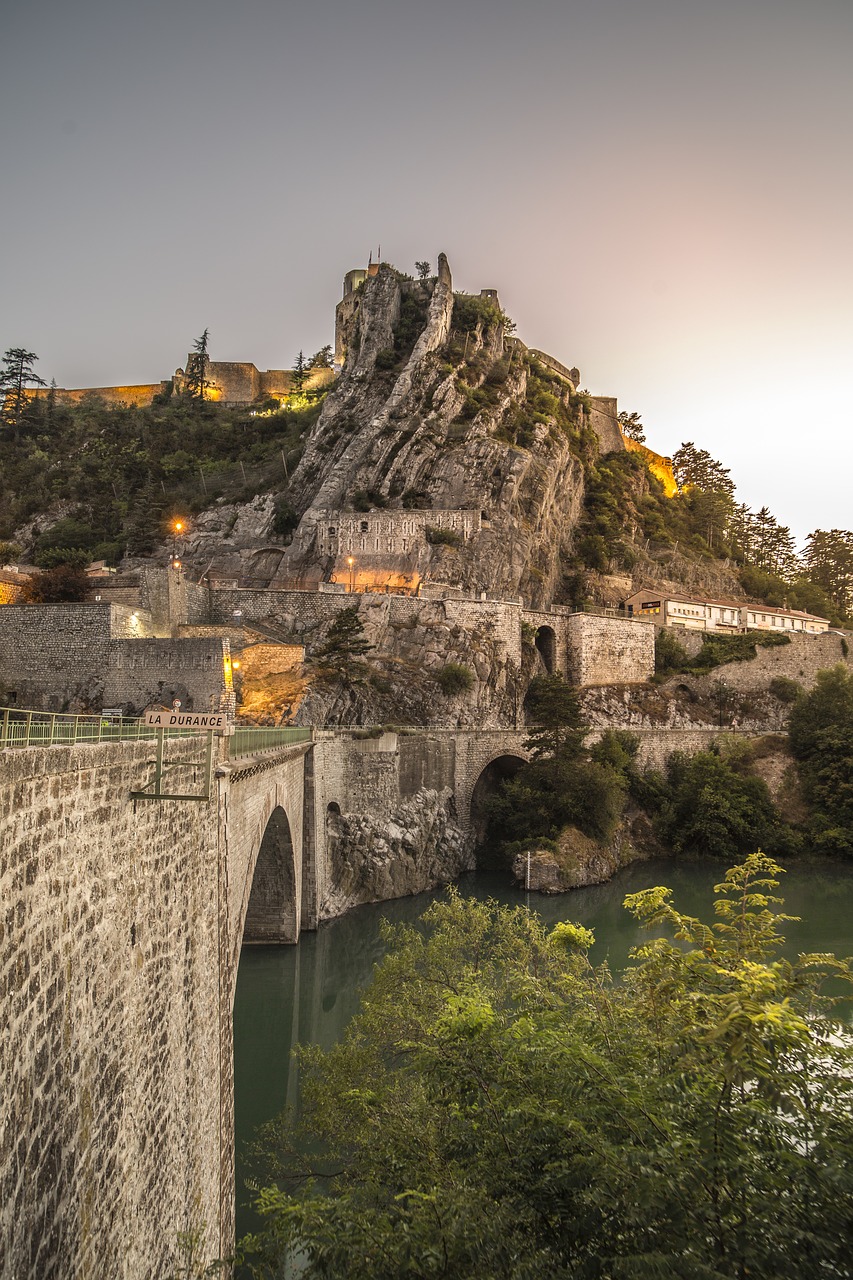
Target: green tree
300	372
423	269
321	359
828	558
16	375
716	807
563	784
631	425
502	1108
557	726
821	736
341	656
196	376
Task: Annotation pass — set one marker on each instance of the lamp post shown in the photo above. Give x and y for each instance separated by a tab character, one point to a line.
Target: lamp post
178	529
351	563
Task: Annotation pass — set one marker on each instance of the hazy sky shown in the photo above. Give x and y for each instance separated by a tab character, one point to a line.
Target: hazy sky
659	189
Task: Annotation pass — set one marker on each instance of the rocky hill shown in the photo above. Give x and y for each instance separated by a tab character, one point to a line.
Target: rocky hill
449	456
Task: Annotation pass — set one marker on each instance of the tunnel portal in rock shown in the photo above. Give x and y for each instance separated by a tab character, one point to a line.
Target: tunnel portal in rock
491	776
272	912
546	644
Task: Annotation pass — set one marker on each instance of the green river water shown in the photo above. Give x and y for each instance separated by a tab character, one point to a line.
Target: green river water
309	992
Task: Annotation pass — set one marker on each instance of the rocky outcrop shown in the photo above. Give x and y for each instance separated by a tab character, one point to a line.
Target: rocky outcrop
372	859
579	861
436	431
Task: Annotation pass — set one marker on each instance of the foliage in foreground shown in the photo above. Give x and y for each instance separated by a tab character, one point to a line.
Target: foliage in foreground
502	1108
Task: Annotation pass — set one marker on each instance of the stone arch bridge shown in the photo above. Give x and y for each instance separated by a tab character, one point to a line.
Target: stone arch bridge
120	935
121	924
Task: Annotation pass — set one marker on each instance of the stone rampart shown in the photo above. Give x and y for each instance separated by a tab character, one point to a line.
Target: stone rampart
110	1114
609	650
82	657
589	649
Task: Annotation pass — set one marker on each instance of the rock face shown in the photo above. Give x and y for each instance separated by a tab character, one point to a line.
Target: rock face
373	859
425	418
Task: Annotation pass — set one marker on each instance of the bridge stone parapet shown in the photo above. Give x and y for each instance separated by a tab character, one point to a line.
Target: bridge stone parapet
111	988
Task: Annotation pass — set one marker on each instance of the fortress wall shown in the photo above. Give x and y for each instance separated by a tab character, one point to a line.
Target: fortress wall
605	423
140	395
84	657
609	650
110	1054
590	649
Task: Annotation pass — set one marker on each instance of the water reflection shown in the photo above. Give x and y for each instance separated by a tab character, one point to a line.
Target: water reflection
309	992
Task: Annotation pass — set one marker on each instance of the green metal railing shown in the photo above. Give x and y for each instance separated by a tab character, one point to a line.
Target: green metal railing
246	742
20	728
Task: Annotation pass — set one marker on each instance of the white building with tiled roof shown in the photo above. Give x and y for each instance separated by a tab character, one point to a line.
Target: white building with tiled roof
672	609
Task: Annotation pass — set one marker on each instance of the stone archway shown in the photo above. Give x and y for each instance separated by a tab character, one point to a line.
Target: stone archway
272	914
546	645
495	771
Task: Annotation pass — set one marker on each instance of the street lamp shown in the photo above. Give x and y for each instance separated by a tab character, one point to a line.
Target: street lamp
178	529
351	563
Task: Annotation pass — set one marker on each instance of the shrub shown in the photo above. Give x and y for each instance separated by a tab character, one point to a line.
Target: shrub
670	654
454	678
442	537
785	689
64	584
367	500
385	358
285	519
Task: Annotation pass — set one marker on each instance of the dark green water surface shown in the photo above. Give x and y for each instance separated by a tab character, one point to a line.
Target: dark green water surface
309	992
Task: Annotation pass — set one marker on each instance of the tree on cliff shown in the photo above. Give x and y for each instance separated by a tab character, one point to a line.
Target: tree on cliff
16	375
630	424
196	376
341	657
424	269
500	1107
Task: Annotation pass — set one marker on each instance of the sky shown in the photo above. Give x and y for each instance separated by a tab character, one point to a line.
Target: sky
660	190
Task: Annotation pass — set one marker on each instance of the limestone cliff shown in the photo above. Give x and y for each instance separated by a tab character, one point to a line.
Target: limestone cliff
439	457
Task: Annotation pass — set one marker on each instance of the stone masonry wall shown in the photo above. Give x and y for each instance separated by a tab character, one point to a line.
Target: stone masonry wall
609	650
110	1113
84	657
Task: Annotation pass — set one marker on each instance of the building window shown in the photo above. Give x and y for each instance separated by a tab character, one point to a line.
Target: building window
364	526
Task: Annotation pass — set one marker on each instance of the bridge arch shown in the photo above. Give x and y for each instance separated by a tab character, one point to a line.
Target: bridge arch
499	766
272	912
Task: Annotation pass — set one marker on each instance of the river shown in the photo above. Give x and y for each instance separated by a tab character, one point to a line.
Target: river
309	992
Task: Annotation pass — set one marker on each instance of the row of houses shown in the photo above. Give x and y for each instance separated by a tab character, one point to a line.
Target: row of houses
672	609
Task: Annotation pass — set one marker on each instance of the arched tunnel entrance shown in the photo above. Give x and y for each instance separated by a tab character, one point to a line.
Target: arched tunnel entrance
485	835
546	644
271	915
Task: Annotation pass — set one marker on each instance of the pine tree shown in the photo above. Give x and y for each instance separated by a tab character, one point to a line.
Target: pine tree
196	377
300	370
630	424
15	376
341	656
